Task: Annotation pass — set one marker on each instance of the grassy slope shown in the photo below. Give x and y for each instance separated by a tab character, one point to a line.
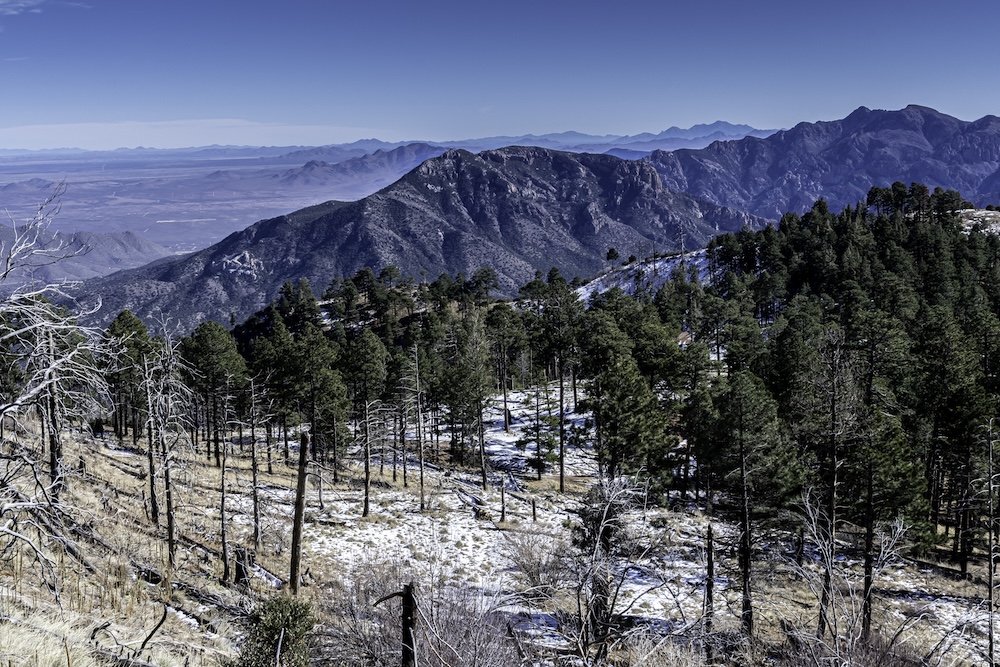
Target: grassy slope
112	610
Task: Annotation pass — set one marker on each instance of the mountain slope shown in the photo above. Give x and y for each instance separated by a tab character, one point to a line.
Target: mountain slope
187	202
83	255
516	210
840	161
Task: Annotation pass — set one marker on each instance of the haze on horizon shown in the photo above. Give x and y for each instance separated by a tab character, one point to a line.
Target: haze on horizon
104	74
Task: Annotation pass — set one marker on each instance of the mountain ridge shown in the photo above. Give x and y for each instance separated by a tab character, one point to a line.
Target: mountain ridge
517	210
840	161
83	255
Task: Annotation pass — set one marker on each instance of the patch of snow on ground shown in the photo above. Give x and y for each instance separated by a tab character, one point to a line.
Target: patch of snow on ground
648	274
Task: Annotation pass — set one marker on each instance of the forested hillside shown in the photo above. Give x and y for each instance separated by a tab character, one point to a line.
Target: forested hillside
514	210
812	415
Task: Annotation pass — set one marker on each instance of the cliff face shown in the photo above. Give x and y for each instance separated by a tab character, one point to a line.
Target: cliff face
516	210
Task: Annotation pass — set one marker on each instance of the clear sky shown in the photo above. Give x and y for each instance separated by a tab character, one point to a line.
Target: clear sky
171	73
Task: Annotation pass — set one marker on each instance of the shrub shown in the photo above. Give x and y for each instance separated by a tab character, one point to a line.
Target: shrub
278	635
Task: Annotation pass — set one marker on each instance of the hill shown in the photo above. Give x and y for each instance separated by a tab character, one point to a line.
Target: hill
838	361
840	161
515	210
81	255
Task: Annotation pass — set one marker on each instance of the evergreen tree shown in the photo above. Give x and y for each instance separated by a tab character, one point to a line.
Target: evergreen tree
630	427
756	465
218	372
366	363
130	337
506	331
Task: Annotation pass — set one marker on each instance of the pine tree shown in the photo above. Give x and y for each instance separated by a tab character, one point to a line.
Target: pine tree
218	371
366	363
756	465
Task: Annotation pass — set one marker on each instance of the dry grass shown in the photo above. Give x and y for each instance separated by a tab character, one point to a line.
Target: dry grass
72	616
98	603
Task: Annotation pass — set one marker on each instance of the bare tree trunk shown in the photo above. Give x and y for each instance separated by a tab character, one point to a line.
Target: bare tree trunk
836	366
222	515
51	417
56	473
395	448
336	458
504	380
709	594
368	459
299	516
829	535
866	608
168	492
154	505
562	430
268	442
538	433
409	623
420	425
216	431
284	431
134	414
381	448
319	487
402	440
503	500
482	447
746	544
255	474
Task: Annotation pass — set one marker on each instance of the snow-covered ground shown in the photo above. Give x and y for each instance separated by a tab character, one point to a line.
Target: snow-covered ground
648	274
989	220
459	541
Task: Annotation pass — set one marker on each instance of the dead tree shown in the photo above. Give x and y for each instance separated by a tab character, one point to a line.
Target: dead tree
257	415
408	622
51	364
298	518
371	413
167	396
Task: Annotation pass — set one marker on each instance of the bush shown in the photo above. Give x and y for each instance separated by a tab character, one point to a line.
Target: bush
278	628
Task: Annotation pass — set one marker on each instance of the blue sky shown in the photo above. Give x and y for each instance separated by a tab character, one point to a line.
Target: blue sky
169	73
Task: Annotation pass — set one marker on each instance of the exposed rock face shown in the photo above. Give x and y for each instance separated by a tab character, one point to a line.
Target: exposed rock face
516	210
840	161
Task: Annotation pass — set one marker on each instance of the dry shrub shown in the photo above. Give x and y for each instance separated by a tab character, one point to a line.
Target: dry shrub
649	651
805	650
455	626
540	560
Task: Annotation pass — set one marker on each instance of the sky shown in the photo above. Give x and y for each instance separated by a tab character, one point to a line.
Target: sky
104	74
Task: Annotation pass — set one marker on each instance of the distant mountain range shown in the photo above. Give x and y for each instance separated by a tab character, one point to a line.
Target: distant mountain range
517	210
187	199
840	161
521	209
81	256
576	142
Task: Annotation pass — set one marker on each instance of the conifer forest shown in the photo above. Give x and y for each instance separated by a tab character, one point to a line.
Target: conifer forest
777	450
